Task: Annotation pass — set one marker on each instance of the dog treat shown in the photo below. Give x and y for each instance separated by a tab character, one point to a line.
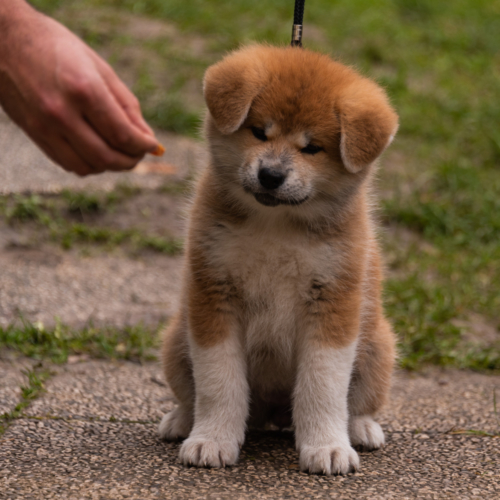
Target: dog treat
159	151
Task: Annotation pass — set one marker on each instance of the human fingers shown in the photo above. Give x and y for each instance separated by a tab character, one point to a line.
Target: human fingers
67	138
124	96
109	120
61	152
97	153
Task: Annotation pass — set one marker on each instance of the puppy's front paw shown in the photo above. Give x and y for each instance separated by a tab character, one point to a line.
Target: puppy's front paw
176	424
365	432
203	452
328	459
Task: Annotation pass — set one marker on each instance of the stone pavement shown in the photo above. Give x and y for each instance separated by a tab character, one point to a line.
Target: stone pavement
92	434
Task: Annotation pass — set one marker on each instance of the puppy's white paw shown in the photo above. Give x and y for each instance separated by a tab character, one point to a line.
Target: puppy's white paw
203	452
328	459
176	425
365	432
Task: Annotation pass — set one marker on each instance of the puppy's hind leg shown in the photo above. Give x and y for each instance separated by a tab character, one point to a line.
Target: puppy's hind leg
178	423
370	385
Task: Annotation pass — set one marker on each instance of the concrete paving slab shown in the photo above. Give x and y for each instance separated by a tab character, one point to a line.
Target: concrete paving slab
89	460
104	390
434	402
23	167
439	400
70	447
103	289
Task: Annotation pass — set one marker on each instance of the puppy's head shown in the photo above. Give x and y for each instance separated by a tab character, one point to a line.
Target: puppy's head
286	125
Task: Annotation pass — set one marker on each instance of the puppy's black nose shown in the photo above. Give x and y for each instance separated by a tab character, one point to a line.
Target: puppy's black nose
271	179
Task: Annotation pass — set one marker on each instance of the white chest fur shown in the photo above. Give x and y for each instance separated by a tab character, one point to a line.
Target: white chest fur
274	268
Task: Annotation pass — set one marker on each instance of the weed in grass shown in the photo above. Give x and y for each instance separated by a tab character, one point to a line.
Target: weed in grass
82	233
34	387
93	202
82	202
57	343
25	208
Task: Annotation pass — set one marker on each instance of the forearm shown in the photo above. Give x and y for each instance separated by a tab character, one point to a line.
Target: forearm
10	8
15	16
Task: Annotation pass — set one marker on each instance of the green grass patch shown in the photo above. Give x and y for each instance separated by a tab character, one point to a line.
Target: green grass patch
25	208
459	205
51	214
69	235
83	203
136	343
424	315
97	202
457	211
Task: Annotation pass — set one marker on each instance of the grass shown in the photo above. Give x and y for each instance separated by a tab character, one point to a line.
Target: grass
439	62
34	340
51	213
170	114
73	234
34	387
473	432
84	203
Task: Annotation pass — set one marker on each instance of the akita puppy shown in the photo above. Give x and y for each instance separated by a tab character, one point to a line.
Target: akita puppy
281	316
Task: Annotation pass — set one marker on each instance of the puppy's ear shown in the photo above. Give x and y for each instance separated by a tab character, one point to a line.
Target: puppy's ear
230	86
368	124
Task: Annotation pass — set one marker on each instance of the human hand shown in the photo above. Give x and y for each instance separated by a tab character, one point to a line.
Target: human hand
66	98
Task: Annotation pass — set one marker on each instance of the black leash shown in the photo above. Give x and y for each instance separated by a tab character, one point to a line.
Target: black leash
298	16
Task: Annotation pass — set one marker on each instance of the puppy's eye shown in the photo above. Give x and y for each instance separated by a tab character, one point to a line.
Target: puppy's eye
259	133
311	149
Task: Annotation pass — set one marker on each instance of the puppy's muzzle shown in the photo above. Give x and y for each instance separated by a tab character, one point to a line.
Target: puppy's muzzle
269	188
